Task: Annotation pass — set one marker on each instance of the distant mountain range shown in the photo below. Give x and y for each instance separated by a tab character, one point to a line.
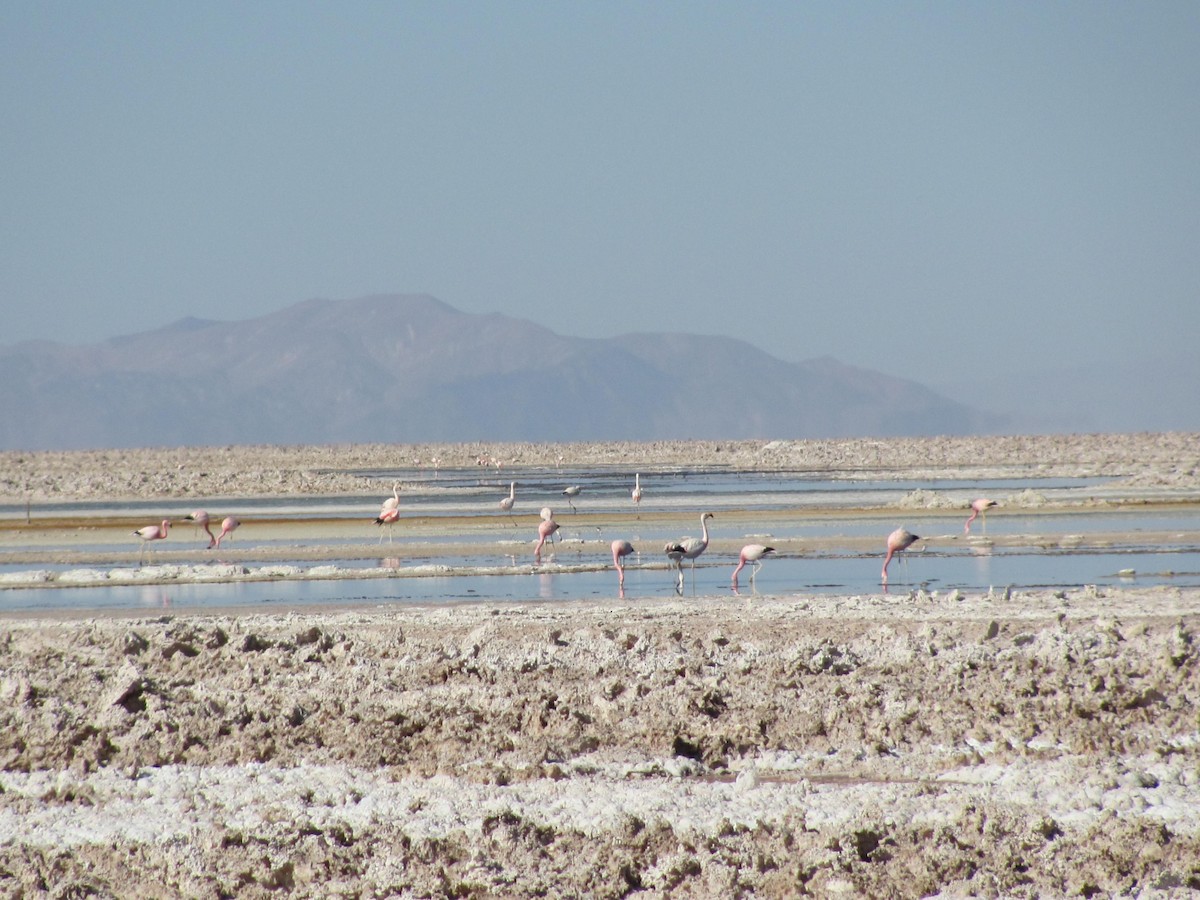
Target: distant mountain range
411	369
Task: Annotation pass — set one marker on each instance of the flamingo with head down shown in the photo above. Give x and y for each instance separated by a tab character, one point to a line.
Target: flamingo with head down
620	549
546	529
751	553
899	540
228	524
200	517
979	508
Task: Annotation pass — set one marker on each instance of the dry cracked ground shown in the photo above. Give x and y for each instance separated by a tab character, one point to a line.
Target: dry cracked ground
1036	745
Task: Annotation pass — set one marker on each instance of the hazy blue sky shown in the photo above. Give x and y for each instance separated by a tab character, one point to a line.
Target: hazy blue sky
899	185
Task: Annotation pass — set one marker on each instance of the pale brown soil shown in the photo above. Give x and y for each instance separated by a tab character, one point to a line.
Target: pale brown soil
1170	460
898	745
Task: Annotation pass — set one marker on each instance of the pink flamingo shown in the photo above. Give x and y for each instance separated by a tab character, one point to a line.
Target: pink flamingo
387	517
637	490
751	553
151	533
979	508
546	529
898	540
392	502
200	517
506	504
620	549
228	524
688	548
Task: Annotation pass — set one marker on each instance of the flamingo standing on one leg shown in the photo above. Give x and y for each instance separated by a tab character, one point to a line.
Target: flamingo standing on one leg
620	549
546	529
151	533
573	491
898	540
637	490
506	504
979	508
688	548
228	524
200	517
387	517
751	553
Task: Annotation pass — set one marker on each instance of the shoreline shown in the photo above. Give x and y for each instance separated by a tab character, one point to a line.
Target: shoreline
1168	459
1028	742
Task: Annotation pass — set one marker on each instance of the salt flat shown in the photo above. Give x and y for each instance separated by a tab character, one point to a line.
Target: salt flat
1027	743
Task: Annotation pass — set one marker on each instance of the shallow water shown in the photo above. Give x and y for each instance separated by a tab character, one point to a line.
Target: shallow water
468	493
588	575
1031	549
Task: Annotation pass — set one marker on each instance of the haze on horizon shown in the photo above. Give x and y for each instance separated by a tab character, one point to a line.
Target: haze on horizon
969	196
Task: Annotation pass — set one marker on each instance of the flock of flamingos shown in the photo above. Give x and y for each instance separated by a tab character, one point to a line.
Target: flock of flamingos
687	548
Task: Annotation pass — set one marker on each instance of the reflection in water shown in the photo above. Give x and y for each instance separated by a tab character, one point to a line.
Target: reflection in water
153	595
1027	549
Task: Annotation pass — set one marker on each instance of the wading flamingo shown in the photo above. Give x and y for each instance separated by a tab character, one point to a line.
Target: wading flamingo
546	529
620	550
506	503
151	533
200	517
751	553
979	508
573	491
898	540
688	548
637	490
387	517
228	524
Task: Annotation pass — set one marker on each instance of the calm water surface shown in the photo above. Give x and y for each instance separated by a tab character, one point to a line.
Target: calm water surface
499	566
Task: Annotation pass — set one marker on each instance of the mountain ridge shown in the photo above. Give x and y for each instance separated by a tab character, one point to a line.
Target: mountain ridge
411	368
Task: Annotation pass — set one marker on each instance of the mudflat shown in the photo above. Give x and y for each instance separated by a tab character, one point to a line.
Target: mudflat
1010	744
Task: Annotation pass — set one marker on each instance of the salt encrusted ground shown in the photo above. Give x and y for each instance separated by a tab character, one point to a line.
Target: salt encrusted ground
1168	461
1039	744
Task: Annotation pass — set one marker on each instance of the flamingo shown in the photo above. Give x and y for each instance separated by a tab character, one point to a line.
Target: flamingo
751	553
200	517
506	503
573	491
151	533
387	517
898	540
392	502
637	490
546	514
228	524
620	549
689	548
979	508
546	529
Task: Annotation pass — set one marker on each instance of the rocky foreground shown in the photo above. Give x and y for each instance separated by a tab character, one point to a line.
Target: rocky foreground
888	746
